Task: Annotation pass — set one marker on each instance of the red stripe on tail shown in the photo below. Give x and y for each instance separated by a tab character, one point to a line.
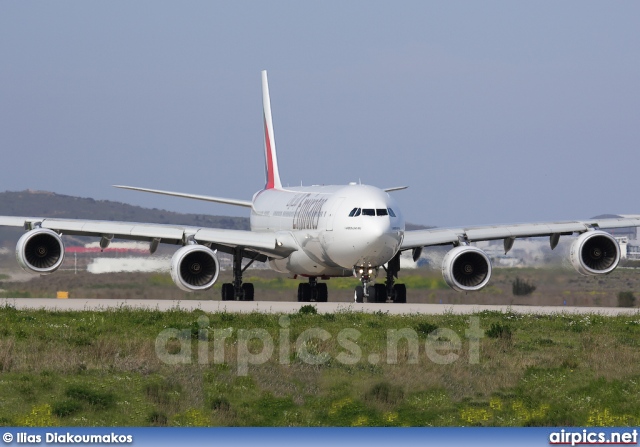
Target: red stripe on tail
269	156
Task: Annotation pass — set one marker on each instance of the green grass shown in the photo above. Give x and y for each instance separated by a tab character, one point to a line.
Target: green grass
101	369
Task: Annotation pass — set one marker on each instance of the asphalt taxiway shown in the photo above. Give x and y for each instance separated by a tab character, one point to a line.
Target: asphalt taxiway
211	306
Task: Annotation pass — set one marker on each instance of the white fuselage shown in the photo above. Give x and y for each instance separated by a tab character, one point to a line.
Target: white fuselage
337	227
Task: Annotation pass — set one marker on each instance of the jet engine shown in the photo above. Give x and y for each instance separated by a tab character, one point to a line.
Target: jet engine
40	251
466	268
194	267
595	253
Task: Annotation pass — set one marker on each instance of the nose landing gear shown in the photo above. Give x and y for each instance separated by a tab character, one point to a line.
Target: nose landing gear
380	293
364	291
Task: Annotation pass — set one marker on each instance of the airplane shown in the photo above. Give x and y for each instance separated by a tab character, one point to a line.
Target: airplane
316	232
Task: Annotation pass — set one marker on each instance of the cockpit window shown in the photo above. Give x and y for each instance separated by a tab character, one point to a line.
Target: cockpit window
372	212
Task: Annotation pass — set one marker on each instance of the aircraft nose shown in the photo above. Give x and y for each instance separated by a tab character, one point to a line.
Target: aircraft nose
377	228
375	244
383	242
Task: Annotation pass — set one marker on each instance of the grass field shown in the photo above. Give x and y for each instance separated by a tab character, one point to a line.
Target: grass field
103	369
554	287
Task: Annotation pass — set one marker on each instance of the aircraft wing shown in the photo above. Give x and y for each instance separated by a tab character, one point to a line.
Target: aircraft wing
277	245
444	236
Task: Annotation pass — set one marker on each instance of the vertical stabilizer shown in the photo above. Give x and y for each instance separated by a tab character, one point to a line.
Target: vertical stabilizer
271	159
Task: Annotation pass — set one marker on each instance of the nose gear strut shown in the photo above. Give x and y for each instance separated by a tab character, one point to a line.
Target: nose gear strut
380	293
364	274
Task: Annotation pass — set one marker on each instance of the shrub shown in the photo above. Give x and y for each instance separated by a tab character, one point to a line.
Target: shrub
498	330
626	299
425	328
220	403
157	419
98	399
65	408
520	287
384	392
163	391
569	364
308	309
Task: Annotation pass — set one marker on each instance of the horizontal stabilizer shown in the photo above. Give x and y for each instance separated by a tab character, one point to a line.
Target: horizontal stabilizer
246	203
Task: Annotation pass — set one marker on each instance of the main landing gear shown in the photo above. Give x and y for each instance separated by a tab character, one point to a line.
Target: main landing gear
313	291
237	290
380	293
395	292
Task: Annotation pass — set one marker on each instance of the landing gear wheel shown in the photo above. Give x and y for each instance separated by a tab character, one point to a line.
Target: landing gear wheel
322	293
304	292
228	292
371	298
313	291
247	289
237	290
400	291
359	294
396	292
380	293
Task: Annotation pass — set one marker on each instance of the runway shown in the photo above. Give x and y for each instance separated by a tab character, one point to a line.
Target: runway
278	307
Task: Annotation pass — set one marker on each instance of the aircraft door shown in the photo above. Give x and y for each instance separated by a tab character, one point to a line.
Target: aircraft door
332	213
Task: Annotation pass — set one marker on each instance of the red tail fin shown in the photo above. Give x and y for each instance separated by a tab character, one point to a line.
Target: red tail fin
271	159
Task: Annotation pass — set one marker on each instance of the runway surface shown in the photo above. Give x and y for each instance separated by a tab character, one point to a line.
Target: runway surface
292	307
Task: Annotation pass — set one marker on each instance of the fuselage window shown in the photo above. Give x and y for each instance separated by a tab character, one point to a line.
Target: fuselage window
391	213
382	212
354	212
368	212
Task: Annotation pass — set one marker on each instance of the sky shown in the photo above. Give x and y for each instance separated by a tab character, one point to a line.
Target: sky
491	112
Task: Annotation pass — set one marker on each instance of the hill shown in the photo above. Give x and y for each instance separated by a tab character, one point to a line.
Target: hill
49	204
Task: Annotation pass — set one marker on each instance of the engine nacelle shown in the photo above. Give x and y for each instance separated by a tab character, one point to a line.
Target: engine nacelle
194	267
466	268
40	251
595	253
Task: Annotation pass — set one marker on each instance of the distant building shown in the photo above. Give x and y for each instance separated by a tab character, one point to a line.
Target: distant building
631	233
627	238
633	252
623	242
